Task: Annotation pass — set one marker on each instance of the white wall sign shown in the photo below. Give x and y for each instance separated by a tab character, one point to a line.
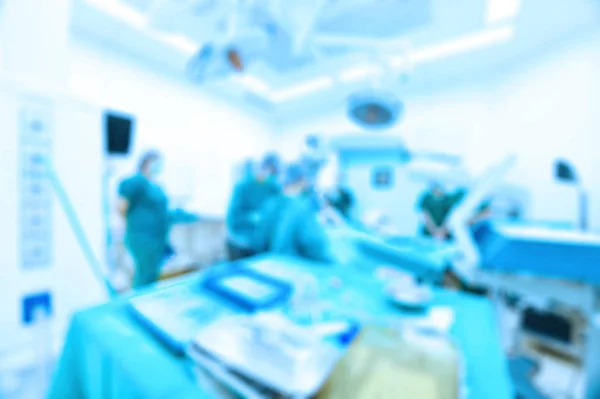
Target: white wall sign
35	124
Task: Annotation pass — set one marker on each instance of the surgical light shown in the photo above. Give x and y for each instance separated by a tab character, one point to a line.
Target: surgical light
501	10
374	109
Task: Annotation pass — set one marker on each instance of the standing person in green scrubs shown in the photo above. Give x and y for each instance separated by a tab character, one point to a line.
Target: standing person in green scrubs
435	206
245	208
144	205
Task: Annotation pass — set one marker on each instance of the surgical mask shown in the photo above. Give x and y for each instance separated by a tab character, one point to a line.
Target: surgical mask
156	167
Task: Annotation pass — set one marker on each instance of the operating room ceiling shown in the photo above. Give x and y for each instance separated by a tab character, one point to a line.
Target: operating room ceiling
306	55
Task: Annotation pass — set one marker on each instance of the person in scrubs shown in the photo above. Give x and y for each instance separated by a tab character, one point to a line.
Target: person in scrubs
245	208
314	159
435	206
144	205
341	198
291	226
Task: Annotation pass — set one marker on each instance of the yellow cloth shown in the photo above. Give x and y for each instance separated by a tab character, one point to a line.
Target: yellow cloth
385	364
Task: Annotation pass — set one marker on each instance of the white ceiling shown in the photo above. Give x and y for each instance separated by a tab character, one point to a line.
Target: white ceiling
327	48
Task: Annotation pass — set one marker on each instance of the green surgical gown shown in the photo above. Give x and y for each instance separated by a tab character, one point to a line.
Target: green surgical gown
148	224
245	209
438	207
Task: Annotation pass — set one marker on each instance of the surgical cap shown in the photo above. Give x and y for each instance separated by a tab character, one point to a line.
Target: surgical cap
313	140
147	157
271	161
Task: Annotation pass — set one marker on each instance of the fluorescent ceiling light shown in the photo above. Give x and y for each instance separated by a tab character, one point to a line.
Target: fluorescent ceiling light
400	61
426	54
500	10
136	19
462	45
253	84
120	11
359	72
183	43
307	87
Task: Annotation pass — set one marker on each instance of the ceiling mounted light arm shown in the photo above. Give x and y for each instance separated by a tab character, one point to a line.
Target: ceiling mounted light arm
304	31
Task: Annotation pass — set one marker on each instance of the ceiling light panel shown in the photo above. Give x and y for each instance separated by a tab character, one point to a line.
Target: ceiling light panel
501	10
463	45
120	11
359	73
307	87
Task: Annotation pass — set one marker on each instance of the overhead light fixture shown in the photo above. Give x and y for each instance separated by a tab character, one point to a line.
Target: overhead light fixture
358	73
307	87
501	10
463	45
120	11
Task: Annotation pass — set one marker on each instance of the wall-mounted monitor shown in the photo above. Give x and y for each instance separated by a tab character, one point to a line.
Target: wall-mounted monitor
118	131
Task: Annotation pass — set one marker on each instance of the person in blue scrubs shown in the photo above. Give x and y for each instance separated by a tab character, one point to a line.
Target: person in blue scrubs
249	198
291	225
145	207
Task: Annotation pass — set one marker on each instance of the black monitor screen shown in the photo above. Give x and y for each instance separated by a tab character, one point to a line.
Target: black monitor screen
118	130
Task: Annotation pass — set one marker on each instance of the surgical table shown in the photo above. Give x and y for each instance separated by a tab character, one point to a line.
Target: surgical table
108	354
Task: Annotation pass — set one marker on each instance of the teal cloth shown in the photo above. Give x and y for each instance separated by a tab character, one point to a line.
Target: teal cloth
248	199
109	355
291	227
149	221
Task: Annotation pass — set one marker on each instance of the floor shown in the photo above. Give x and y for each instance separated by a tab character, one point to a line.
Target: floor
27	383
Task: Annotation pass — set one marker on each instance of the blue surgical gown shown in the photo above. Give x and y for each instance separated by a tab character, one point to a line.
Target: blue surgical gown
291	227
148	225
245	209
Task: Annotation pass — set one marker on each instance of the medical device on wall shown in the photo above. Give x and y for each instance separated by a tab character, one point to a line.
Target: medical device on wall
214	61
565	173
